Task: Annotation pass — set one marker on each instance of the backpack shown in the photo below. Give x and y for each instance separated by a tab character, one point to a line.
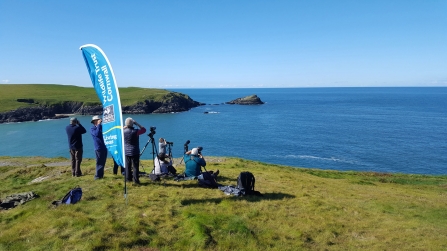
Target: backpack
246	182
72	197
208	181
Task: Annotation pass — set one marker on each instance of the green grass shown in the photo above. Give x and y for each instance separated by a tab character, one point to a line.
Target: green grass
301	209
46	94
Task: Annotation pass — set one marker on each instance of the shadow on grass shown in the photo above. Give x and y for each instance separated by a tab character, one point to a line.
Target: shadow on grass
251	198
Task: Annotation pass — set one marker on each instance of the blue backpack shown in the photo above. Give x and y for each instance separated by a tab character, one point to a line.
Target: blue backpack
72	197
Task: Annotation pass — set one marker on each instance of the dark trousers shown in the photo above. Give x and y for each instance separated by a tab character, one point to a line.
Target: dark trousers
76	159
133	168
115	168
101	157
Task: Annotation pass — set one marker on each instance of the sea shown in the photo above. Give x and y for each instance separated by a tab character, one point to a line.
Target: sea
372	129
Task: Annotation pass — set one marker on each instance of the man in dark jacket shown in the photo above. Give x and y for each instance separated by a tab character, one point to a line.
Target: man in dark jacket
132	149
74	133
100	147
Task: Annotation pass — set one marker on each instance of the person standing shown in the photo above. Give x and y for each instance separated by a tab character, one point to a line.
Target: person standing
100	147
115	168
132	149
162	146
74	133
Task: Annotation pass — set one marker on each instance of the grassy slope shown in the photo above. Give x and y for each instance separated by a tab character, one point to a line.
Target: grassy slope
53	94
301	209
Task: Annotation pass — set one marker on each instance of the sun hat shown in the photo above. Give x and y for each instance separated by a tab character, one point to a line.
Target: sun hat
194	151
96	117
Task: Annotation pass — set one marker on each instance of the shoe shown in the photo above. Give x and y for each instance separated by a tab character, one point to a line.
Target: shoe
216	173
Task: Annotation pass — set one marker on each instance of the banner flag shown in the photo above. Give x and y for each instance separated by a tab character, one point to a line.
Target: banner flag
103	80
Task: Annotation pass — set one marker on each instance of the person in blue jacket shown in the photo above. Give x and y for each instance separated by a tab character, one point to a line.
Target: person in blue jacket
100	147
74	134
194	162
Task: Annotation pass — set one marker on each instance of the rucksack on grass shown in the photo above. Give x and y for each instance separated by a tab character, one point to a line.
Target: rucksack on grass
246	182
208	181
72	197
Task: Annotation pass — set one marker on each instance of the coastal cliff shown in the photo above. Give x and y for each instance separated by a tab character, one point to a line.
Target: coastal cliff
169	103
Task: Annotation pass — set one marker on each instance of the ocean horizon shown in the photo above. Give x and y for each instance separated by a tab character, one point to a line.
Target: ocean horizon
373	129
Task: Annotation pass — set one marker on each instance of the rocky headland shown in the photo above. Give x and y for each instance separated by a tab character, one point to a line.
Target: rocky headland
171	102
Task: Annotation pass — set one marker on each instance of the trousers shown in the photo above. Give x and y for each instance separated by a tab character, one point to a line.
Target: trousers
101	157
76	159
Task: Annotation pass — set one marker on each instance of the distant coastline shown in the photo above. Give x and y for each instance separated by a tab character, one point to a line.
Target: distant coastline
35	102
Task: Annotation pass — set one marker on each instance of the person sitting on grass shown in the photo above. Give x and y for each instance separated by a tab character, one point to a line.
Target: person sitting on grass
194	162
163	165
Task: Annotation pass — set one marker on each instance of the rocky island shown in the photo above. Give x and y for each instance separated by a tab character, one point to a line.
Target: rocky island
248	100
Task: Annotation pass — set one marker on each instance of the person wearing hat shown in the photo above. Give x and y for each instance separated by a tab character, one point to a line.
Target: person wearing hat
100	147
74	133
194	162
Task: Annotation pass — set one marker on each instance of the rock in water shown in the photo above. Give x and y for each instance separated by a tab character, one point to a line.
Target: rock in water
249	100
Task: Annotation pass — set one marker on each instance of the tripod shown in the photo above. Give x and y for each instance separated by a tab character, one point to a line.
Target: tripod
154	149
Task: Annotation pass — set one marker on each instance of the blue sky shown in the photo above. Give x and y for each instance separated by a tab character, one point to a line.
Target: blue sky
215	44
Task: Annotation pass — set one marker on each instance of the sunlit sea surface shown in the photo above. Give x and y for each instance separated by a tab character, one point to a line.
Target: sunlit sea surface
401	130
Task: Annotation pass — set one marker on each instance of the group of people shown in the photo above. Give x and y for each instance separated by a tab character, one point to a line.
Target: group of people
194	160
131	147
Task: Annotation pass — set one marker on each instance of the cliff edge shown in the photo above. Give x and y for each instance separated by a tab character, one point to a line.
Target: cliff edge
169	103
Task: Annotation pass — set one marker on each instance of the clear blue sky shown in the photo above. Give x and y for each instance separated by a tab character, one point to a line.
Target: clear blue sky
225	43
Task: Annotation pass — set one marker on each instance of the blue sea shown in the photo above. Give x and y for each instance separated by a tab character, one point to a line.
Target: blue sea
397	130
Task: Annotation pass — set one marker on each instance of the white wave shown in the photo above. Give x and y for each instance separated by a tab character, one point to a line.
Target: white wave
320	158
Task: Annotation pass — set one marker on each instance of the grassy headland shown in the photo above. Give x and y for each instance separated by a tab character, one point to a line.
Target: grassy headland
47	95
301	209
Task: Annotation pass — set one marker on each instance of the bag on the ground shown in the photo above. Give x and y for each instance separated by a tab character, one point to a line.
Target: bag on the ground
246	181
72	197
14	200
208	181
154	177
172	170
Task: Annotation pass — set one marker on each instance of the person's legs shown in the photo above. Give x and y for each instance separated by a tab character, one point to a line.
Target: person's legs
73	162
128	168
115	167
78	157
136	168
101	157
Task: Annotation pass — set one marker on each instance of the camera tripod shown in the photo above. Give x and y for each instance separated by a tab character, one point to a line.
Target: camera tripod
154	149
